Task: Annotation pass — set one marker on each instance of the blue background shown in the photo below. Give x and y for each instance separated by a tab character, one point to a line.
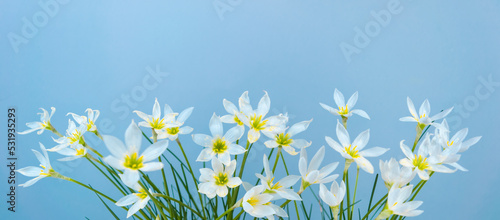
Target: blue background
94	53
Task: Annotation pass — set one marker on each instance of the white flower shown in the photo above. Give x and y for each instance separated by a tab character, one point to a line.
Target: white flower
217	181
232	117
285	140
280	189
43	124
218	145
140	199
74	135
155	121
396	204
39	173
421	162
423	117
393	174
457	140
353	151
257	203
88	120
345	110
256	119
333	197
73	152
126	156
173	132
310	174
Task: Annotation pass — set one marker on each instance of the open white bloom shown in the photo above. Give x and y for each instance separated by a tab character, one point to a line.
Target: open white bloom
333	197
45	170
218	145
396	204
140	199
312	174
126	156
155	121
393	174
89	120
352	152
422	161
217	181
73	152
232	117
74	135
284	139
257	203
345	110
280	189
173	132
423	117
256	119
43	124
443	134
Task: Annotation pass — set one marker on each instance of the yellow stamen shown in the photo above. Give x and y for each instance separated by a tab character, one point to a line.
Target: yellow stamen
219	146
173	131
257	123
156	123
420	162
133	162
343	110
283	140
221	179
352	152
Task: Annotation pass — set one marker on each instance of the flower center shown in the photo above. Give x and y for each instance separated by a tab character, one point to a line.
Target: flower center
257	123
156	123
283	140
253	201
219	146
132	162
173	131
274	186
352	151
343	110
420	162
90	124
449	143
142	194
74	137
237	120
80	152
422	116
221	179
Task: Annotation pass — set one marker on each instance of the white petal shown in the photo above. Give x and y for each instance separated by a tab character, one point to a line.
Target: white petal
343	135
316	160
155	150
130	177
364	164
185	130
299	127
234	134
264	105
205	155
32	181
152	166
374	152
215	126
234	182
408	119
127	200
230	107
202	140
184	115
30	171
225	158
156	109
114	145
253	135
222	191
425	108
113	162
271	144
300	143
329	109
411	107
133	137
361	140
360	113
234	149
406	150
339	98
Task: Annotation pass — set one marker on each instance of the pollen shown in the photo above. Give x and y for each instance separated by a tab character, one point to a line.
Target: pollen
420	162
352	151
449	143
274	186
80	152
343	110
219	146
253	201
257	123
133	162
221	179
75	136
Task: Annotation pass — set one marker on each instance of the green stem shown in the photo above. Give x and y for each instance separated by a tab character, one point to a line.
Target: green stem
192	174
180	203
355	189
226	212
277	158
239	214
374	206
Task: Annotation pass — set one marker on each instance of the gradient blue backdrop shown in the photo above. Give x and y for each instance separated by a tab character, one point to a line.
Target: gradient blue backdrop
94	53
